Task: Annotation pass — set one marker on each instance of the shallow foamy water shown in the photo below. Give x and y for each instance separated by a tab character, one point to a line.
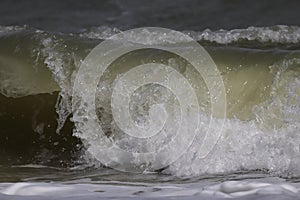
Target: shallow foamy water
18	182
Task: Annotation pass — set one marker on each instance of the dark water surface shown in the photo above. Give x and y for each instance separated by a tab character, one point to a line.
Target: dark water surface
75	16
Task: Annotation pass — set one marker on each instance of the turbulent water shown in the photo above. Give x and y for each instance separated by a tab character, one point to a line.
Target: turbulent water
43	148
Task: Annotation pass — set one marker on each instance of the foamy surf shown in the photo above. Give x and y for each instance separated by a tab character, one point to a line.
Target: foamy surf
261	86
228	189
261	74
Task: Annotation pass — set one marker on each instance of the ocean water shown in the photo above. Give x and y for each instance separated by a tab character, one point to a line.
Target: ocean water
55	144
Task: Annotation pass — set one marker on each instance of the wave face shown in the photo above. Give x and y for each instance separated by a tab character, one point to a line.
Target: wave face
260	68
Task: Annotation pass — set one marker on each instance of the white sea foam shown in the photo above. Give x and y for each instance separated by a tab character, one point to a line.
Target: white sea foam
268	142
276	34
268	188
